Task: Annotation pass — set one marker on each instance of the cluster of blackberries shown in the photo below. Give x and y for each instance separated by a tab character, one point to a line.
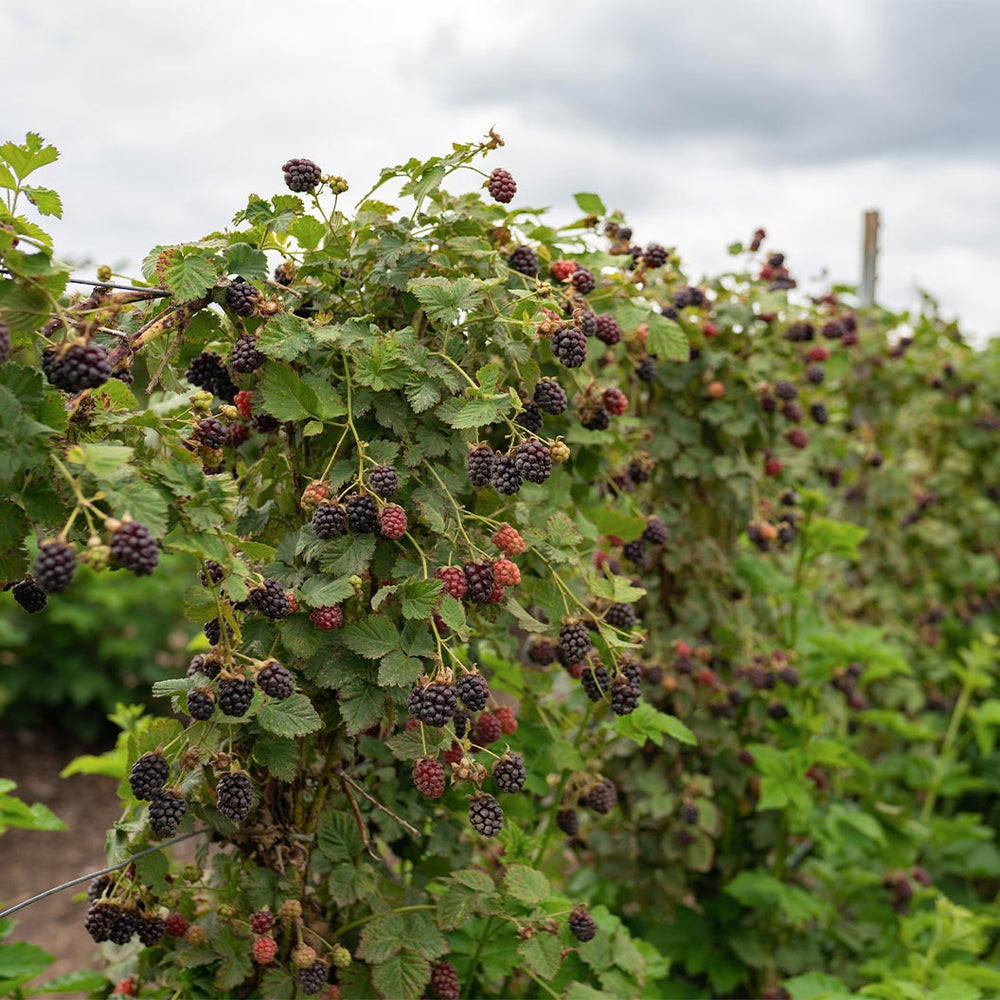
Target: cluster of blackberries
531	461
76	367
106	920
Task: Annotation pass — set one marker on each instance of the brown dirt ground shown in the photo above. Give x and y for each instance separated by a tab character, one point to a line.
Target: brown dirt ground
32	861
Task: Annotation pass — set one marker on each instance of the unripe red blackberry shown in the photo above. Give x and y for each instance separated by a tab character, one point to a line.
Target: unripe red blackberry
607	330
261	921
655	255
485	815
276	681
428	776
312	979
624	697
77	367
175	924
208	372
797	437
533	461
508	540
433	705
329	521
507	479
383	480
488	730
165	814
473	691
646	369
574	642
568	820
581	924
243	402
509	773
506	573
507	719
134	548
479	465
444	981
242	298
502	186
656	532
235	795
5	337
235	697
525	260
392	521
264	949
479	581
602	797
328	618
29	595
301	174
210	432
362	513
615	401
54	566
570	346
453	580
244	357
200	704
583	280
550	396
148	775
596	682
562	270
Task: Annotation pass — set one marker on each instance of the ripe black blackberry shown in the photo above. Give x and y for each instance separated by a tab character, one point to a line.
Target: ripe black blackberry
525	260
645	371
624	697
313	978
670	312
790	676
100	920
569	345
816	374
383	480
242	298
362	513
235	795
587	319
148	775
485	814
200	704
655	255
444	981
54	566
818	412
581	924
77	367
574	642
165	814
608	331
329	521
833	330
632	672
98	887
479	465
151	930
276	680
461	722
550	396
506	479
211	573
433	705
596	682
211	432
530	418
502	186
599	420
509	773
533	460
271	600
785	390
479	581
568	820
213	631
235	697
244	357
621	616
4	341
29	595
301	174
602	797
473	691
209	373
689	813
635	552
656	532
134	548
265	423
125	926
204	663
583	280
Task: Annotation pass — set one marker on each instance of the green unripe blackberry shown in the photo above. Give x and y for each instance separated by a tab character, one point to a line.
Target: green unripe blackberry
148	775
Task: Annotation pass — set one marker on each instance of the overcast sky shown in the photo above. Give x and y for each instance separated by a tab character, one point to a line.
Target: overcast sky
700	120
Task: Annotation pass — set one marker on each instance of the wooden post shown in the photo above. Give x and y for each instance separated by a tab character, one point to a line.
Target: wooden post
869	255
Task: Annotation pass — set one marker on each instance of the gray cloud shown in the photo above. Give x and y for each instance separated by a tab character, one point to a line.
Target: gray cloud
781	82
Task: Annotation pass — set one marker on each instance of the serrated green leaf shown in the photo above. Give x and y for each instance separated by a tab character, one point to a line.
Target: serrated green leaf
666	339
285	396
444	300
308	231
420	598
542	954
190	275
362	711
81	981
321	591
398	669
402	976
285	337
474	412
371	637
452	613
293	716
646	723
337	836
526	884
246	261
280	756
45	200
414	744
590	204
